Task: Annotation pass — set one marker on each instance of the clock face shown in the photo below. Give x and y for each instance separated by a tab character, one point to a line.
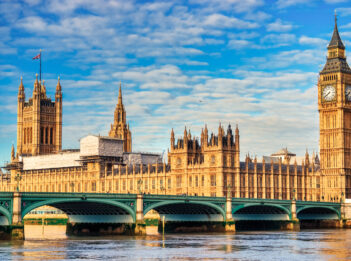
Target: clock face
348	92
329	93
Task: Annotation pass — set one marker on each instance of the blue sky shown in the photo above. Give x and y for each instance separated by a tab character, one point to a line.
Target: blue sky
254	63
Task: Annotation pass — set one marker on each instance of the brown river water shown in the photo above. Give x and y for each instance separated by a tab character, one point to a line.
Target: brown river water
51	243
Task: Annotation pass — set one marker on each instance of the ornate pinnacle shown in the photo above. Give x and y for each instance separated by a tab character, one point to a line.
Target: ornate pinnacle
120	94
58	86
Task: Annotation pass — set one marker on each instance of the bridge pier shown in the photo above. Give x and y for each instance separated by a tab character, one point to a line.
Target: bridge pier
346	213
140	226
229	223
17	227
294	223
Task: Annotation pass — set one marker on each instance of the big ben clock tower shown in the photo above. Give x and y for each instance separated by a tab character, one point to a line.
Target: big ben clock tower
334	106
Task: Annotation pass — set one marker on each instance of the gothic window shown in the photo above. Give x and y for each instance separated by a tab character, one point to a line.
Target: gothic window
169	183
30	135
161	184
153	183
93	186
179	181
146	185
131	185
213	180
25	136
51	136
190	181
41	135
224	161
124	185
179	161
116	188
213	159
202	180
46	135
196	181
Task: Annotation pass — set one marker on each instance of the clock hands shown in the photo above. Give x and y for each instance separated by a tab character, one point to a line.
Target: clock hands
327	94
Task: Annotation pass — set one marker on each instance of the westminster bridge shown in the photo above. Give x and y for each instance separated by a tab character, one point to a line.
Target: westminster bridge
132	209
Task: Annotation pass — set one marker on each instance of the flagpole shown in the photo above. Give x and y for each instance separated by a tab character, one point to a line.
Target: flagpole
40	67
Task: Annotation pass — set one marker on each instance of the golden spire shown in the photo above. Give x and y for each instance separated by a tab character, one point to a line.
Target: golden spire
21	87
43	89
120	93
58	86
36	83
12	153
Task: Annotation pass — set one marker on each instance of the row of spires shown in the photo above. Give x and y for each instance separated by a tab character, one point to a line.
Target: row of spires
306	161
39	88
224	138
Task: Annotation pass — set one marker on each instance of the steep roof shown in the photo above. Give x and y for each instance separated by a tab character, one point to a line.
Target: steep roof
336	40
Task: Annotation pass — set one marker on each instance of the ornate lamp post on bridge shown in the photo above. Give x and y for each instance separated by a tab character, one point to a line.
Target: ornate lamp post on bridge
294	198
18	179
140	183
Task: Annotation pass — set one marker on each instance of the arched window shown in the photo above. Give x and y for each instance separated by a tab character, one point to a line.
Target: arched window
42	135
51	136
46	135
213	159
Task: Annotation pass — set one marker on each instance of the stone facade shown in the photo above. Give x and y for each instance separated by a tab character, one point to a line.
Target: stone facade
39	121
334	106
205	166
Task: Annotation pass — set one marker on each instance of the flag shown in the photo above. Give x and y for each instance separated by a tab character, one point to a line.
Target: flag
36	57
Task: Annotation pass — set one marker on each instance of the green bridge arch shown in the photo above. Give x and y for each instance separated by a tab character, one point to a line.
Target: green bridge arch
6	213
172	202
237	208
321	207
49	202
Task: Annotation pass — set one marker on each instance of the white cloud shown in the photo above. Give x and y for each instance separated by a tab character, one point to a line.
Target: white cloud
235	5
312	41
287	3
240	44
222	21
290	58
277	40
279	26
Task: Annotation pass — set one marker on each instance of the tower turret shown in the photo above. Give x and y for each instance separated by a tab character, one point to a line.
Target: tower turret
12	153
43	90
172	139
20	106
120	129
206	136
220	136
37	131
58	120
237	150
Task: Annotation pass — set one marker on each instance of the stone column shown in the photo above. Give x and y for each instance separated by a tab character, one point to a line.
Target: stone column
294	223
229	221
139	208
17	228
140	228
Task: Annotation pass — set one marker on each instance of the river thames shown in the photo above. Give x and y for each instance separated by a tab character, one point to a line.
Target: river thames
269	245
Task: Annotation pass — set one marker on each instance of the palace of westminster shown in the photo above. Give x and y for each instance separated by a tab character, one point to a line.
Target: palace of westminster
205	166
